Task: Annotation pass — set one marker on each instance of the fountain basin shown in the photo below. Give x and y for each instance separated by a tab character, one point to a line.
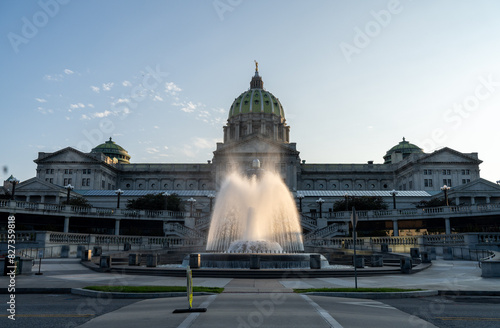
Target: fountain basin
256	261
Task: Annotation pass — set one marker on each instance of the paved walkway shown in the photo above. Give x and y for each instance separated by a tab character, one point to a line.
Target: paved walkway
260	302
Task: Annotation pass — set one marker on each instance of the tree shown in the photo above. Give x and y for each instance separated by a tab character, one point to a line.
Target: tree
78	201
435	202
156	202
363	203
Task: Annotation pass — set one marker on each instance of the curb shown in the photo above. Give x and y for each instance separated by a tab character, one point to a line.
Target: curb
116	295
420	293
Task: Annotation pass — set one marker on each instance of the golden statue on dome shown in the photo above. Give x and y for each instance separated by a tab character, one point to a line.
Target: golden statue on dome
256	65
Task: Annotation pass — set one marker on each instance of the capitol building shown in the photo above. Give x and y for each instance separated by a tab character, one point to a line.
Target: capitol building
256	128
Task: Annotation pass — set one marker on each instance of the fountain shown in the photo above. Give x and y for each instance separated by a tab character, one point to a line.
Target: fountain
255	224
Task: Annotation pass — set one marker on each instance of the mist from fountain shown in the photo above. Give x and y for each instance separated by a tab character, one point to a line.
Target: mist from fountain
255	215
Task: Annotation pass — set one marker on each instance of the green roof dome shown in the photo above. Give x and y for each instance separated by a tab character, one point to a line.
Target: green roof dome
405	148
256	100
117	153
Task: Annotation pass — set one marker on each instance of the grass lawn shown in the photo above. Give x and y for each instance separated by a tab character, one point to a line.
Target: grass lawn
359	290
153	289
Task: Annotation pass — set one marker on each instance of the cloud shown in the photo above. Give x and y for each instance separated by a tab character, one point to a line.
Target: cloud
95	89
156	127
126	83
55	77
91	105
157	98
171	88
189	107
75	106
41	100
203	143
102	114
45	111
68	71
122	100
84	117
152	150
107	86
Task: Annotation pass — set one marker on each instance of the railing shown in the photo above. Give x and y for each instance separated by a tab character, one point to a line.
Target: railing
308	222
488	238
327	231
183	230
112	213
410	240
67	238
203	223
453	239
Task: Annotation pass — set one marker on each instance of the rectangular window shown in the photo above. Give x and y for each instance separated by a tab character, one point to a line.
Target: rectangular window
70	171
447	182
84	182
429	172
66	171
51	180
84	171
47	171
65	182
88	171
410	185
448	172
425	172
467	172
463	172
70	181
47	180
103	184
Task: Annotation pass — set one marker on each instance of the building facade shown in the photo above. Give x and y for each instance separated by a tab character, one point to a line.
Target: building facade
256	128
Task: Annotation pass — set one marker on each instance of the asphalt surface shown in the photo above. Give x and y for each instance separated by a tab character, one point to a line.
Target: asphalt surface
255	302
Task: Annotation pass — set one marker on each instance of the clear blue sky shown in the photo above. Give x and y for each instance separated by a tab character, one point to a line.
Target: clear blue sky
354	77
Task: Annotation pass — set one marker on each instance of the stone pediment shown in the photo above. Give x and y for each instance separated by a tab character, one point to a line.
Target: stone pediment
256	145
66	155
38	185
448	155
479	185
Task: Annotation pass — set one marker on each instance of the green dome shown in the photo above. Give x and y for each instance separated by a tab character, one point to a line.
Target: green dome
113	151
405	148
256	101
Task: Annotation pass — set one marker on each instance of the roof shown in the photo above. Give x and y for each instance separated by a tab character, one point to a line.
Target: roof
138	193
256	100
403	147
113	150
360	193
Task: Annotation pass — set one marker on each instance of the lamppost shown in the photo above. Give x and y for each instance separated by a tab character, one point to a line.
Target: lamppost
300	197
445	188
320	201
346	196
191	201
13	181
211	198
118	192
394	193
69	188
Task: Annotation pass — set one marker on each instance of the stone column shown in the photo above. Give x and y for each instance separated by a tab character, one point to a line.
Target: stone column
473	200
447	226
66	224
117	227
457	201
487	199
395	228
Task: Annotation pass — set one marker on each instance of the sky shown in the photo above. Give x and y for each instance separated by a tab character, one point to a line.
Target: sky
159	77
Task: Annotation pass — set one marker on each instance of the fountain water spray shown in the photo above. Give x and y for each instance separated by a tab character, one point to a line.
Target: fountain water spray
255	214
